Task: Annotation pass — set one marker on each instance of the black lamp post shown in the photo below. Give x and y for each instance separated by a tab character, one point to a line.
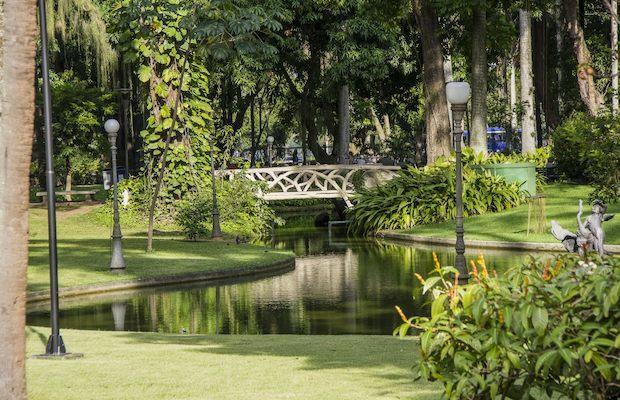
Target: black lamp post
458	94
216	231
117	264
55	346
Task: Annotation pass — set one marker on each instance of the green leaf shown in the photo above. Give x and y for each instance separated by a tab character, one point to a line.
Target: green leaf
144	73
438	305
540	320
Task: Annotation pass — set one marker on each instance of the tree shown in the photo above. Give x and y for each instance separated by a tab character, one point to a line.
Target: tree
17	54
528	125
79	39
438	132
479	72
588	91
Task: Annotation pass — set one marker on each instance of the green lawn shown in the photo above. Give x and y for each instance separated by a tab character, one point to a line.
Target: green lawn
84	252
121	365
562	202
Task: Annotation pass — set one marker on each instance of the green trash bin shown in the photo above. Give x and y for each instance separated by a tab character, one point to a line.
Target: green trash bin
522	173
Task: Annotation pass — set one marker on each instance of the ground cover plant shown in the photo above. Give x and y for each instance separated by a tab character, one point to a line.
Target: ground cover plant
418	196
544	330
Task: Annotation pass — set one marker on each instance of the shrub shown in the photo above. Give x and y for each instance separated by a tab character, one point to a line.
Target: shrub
135	212
540	157
587	149
242	213
547	329
426	195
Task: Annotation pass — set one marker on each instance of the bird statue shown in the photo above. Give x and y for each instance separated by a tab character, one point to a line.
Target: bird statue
590	235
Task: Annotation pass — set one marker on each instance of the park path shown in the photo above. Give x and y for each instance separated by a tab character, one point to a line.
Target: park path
72	211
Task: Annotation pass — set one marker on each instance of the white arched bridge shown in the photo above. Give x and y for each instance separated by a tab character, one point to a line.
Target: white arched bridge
313	181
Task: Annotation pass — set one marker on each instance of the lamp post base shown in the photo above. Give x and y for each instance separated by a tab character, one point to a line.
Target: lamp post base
55	349
117	264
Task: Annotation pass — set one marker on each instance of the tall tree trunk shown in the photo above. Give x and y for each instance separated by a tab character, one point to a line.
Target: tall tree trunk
615	104
343	125
68	178
252	137
447	72
479	82
528	125
17	60
378	127
591	97
514	122
386	126
438	135
559	47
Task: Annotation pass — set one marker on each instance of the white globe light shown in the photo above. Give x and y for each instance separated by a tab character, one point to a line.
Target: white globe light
111	126
458	92
270	139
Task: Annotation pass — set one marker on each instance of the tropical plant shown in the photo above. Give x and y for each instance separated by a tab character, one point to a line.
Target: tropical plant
426	195
540	157
79	140
544	330
242	212
587	149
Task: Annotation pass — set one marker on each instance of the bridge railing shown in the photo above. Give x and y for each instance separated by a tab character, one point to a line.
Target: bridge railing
311	181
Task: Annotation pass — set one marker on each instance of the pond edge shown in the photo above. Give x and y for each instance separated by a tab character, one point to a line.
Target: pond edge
277	266
484	244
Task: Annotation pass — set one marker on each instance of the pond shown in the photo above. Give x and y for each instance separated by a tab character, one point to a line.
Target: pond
340	285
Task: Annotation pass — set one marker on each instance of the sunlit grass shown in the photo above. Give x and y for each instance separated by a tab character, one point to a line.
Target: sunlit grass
561	205
84	252
120	365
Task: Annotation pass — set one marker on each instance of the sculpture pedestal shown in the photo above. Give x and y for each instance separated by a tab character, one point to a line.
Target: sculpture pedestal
536	205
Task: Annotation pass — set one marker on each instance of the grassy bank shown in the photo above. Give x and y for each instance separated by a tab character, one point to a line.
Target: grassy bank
84	252
121	365
561	205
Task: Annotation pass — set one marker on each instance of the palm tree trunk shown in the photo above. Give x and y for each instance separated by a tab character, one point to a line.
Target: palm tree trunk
479	82
17	54
438	136
528	125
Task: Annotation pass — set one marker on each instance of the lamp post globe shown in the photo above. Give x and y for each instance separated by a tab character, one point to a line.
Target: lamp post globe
458	94
117	263
270	140
112	126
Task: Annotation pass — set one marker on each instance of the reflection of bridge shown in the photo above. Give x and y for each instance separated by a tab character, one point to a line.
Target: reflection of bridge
314	181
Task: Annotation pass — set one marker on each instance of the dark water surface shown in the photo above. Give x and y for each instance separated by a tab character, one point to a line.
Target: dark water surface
339	286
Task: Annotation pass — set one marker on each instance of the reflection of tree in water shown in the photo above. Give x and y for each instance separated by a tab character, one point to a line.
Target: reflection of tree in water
342	286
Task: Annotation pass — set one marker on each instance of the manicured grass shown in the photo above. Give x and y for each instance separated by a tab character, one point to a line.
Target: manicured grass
561	205
121	365
84	252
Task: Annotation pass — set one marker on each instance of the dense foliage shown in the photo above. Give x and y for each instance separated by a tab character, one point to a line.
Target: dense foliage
242	213
156	37
547	329
540	158
587	149
80	142
426	195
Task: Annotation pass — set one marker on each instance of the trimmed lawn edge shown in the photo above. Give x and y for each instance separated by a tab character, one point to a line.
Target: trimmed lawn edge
278	266
483	244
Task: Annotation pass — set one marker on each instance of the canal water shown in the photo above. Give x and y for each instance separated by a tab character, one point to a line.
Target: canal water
340	285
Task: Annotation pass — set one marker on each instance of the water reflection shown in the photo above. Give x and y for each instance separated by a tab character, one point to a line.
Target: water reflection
339	286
